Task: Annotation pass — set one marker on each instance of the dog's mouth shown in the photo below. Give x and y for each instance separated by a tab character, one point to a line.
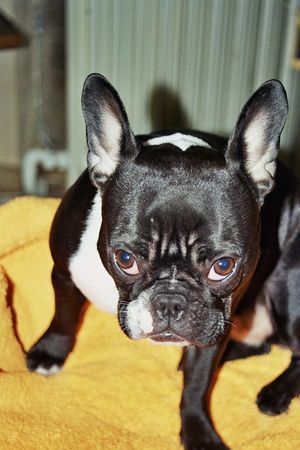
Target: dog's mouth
167	337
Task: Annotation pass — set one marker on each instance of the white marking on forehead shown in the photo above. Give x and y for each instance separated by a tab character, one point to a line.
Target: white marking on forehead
155	235
174	275
152	251
183	246
194	255
192	238
153	244
173	249
164	244
180	140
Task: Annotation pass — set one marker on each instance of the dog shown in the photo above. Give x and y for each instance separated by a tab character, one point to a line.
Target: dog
183	235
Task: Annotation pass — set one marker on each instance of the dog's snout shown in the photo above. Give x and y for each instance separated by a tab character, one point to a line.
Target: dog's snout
169	306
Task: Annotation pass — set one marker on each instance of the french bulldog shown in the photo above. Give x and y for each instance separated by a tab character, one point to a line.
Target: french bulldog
191	239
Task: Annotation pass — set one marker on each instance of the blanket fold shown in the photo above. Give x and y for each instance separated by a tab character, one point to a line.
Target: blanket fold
113	393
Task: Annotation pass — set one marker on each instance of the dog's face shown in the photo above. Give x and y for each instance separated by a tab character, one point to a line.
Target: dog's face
180	231
179	237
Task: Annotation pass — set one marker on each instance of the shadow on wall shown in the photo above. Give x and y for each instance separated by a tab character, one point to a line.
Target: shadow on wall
166	110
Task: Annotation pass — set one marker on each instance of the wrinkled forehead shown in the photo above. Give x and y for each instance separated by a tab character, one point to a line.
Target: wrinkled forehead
176	197
190	219
165	177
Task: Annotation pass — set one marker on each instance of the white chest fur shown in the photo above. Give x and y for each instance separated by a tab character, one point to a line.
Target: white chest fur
254	327
86	268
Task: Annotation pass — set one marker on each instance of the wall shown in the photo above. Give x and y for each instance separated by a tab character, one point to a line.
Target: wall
9	120
32	86
175	62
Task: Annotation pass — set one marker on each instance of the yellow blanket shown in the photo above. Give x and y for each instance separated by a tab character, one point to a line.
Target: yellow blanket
113	393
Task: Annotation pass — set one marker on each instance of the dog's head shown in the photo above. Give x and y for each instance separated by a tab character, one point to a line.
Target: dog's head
180	230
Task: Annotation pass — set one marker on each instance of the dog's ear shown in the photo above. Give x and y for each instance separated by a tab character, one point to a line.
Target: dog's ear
109	136
254	143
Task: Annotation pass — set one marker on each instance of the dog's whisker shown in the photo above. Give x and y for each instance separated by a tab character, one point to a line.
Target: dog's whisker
231	323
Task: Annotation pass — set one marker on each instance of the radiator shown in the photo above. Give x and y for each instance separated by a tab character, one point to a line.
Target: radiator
189	63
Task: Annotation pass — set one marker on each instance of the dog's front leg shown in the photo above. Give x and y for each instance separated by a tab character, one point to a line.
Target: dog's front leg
49	353
275	398
197	430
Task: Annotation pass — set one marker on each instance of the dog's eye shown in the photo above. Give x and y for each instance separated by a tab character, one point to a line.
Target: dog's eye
221	269
126	262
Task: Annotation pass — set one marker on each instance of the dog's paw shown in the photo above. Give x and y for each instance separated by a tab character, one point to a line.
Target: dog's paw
43	363
48	355
196	437
205	446
274	399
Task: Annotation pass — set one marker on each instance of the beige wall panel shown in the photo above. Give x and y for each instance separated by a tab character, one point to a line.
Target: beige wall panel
9	127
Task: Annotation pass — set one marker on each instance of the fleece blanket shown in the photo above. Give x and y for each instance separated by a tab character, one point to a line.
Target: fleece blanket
113	393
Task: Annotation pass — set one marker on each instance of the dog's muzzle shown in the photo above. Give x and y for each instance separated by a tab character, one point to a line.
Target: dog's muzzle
176	313
157	316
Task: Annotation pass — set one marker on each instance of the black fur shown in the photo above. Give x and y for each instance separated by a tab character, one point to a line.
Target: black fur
177	213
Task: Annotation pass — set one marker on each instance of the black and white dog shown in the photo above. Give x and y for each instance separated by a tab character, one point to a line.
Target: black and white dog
181	233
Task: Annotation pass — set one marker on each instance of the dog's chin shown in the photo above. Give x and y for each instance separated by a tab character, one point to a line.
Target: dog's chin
168	338
171	338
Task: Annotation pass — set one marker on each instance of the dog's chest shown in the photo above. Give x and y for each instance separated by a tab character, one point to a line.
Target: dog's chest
85	266
253	327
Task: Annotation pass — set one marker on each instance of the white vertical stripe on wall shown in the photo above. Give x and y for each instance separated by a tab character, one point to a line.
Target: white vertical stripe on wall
210	54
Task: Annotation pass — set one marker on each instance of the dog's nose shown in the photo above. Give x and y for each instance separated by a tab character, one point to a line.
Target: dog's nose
169	306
